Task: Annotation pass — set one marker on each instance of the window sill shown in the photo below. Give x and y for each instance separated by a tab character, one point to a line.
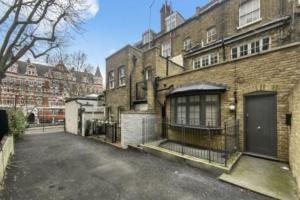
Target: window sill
121	86
249	24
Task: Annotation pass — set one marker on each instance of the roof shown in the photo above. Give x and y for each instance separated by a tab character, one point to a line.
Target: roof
40	68
82	98
203	86
98	73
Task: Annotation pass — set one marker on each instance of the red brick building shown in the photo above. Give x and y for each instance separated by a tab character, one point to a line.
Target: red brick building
40	90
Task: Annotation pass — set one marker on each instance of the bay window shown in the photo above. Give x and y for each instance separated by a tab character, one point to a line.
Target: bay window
201	110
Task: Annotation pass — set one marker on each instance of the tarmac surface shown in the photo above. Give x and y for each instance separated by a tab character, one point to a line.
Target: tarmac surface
56	166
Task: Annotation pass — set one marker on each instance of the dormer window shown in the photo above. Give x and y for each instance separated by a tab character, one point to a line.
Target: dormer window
211	35
249	12
173	21
148	37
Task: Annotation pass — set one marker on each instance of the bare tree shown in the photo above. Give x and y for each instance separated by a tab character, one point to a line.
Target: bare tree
36	27
76	63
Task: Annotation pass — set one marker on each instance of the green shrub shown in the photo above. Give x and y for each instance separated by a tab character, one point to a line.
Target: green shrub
16	122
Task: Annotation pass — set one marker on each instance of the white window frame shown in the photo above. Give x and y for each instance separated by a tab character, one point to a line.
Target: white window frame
198	62
250	48
148	72
111	79
244	14
166	48
187	44
171	22
211	35
122	77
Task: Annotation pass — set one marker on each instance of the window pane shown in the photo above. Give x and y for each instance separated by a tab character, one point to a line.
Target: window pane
266	44
194	115
211	110
234	53
181	114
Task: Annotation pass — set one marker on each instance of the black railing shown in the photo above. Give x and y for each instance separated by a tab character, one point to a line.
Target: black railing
211	143
111	131
141	90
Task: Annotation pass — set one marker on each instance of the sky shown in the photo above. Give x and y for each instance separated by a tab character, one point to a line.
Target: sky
121	22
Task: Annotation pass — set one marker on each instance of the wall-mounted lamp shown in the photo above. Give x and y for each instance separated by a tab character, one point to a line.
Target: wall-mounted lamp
232	107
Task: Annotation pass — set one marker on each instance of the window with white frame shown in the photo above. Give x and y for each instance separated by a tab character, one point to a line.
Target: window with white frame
166	48
148	73
244	50
206	60
197	63
122	76
249	12
214	58
147	37
211	35
187	44
171	22
111	79
250	48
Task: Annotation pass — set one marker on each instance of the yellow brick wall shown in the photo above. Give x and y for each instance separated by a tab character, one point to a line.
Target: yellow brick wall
295	134
277	71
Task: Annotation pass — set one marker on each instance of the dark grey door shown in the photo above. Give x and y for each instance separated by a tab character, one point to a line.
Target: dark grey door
260	123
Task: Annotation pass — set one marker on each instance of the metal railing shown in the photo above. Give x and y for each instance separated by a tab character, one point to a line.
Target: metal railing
111	131
141	90
211	143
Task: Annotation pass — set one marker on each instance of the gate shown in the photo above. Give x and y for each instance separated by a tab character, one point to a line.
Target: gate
3	123
111	132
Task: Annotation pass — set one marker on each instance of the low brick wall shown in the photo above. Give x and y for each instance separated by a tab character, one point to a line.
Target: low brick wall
7	149
295	135
132	128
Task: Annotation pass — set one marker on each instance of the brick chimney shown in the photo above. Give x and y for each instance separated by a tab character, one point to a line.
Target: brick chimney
165	11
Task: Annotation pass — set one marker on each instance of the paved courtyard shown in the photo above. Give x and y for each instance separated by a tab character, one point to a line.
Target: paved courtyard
63	166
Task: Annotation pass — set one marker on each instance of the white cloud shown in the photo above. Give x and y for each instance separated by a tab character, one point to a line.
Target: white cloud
110	52
93	8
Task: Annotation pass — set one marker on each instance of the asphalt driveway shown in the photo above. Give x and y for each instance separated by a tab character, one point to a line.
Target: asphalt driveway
63	166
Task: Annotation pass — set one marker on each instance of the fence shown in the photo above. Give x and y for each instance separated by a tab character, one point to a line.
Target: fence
206	142
150	130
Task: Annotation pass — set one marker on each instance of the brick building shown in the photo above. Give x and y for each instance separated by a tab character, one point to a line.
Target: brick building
232	60
40	90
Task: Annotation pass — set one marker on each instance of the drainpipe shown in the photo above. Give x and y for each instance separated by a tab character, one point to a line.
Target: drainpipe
134	59
167	66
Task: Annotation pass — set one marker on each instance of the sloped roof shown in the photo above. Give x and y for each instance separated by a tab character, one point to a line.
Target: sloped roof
40	68
202	86
98	73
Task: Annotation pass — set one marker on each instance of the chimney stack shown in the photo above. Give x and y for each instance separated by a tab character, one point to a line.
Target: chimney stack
165	11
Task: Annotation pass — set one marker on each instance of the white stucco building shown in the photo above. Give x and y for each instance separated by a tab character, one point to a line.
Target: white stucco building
81	109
